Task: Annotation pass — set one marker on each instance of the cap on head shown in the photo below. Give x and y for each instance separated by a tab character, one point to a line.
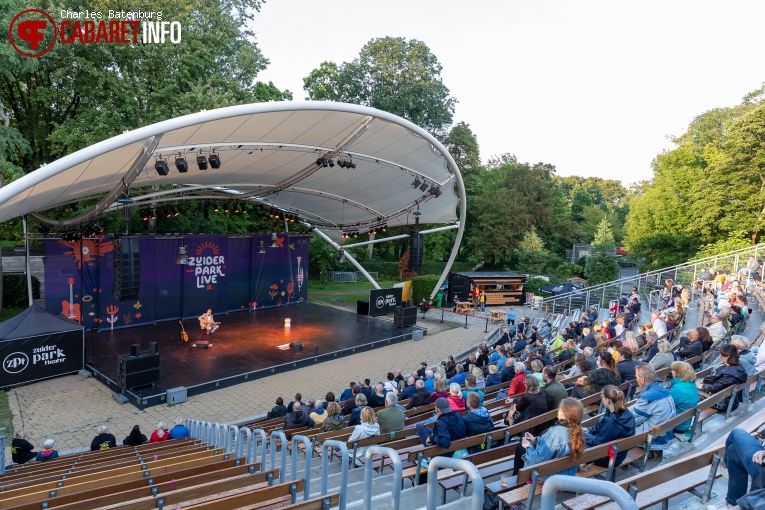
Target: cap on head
424	363
442	405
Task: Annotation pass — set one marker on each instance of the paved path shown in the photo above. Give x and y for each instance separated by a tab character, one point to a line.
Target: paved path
69	409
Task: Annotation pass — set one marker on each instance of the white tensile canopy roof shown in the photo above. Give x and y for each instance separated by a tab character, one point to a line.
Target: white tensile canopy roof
268	154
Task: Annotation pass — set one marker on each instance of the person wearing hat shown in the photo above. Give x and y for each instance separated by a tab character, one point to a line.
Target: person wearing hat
421	370
448	427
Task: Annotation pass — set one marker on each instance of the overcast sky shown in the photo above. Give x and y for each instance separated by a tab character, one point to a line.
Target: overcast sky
593	87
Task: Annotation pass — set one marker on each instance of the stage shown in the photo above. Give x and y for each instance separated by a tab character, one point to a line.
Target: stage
245	347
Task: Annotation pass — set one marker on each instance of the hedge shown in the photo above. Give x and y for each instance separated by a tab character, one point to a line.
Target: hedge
422	286
15	290
389	270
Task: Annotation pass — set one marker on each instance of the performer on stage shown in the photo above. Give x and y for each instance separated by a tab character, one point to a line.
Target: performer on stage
207	322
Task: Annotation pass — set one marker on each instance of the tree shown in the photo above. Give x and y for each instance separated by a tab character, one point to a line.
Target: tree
601	263
579	202
391	74
531	254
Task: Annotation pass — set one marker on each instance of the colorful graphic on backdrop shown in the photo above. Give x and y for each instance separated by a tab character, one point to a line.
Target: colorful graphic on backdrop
225	274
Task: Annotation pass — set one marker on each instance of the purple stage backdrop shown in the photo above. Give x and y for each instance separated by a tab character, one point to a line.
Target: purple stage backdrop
225	274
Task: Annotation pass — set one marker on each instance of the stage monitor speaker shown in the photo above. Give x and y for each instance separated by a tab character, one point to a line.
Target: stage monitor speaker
153	348
127	268
362	307
296	346
202	344
135	350
137	371
415	252
405	317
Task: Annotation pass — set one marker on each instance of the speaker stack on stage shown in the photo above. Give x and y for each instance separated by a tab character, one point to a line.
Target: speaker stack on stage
127	268
138	369
405	317
415	252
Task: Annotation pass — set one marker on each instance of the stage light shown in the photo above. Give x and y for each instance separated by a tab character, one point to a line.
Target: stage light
202	162
145	215
176	212
277	214
214	160
236	207
424	186
437	193
293	218
43	228
181	165
183	257
271	213
216	207
161	167
226	207
350	164
287	322
416	184
273	244
331	162
206	210
341	163
261	247
98	229
385	227
168	213
153	214
355	234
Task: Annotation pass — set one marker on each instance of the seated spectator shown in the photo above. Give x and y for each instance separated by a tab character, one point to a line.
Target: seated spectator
630	341
179	430
716	328
520	345
590	358
595	381
670	322
378	397
104	440
690	346
659	327
410	389
334	420
641	336
448	427
664	358
421	397
619	328
483	356
350	404
329	397
455	400
554	390
705	339
518	384
626	365
47	452
298	398
429	381
654	406
480	381
366	389
733	373
558	441
747	360
160	434
508	373
617	422
348	392
557	344
477	420
472	361
459	376
580	366
601	339
391	419
744	457
470	387
439	390
529	405
568	351
495	378
536	370
135	437
318	415
21	449
608	330
684	394
361	403
589	339
297	418
367	427
279	410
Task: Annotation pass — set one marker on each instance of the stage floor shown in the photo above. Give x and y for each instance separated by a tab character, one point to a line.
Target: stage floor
245	347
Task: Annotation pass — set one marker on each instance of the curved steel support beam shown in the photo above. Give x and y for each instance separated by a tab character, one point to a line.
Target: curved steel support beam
347	255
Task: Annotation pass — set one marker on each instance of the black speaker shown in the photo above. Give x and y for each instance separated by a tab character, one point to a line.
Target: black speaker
153	348
405	317
137	371
296	346
415	252
135	349
127	268
362	307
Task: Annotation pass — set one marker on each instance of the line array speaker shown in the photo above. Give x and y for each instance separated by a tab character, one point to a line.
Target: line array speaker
415	252
127	268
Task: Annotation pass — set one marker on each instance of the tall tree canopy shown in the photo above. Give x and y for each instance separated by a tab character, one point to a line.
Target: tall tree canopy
601	265
391	74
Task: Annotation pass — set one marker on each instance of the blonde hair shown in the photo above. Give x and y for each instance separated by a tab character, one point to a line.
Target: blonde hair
439	386
493	369
368	416
478	372
536	365
620	320
333	409
684	371
161	428
664	346
631	341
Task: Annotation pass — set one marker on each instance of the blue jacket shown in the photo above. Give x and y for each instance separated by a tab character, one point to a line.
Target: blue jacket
179	431
345	395
493	379
459	378
429	385
654	406
553	444
610	427
685	395
519	346
448	427
355	418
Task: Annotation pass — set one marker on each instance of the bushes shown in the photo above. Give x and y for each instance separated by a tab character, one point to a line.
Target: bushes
389	270
422	286
15	290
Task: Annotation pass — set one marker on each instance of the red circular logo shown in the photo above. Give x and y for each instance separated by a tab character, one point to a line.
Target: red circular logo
32	31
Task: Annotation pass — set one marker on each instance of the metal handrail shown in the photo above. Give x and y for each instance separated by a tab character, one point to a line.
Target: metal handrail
397	470
580	485
243	444
283	468
326	449
296	439
458	464
264	445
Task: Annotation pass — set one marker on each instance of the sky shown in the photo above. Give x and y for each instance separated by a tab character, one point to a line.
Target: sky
595	88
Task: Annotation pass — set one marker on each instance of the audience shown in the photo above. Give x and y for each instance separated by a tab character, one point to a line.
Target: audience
494	377
690	346
421	397
104	440
744	457
361	403
654	406
391	418
554	390
160	434
732	374
367	427
626	366
455	400
664	358
477	420
135	437
439	390
279	410
411	388
21	449
291	405
47	452
335	419
617	422
595	381
684	394
448	427
297	418
179	430
318	415
518	384
470	387
529	405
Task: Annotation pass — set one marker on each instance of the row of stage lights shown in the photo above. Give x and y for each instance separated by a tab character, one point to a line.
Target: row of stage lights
227	207
354	233
162	168
276	214
92	230
341	162
434	190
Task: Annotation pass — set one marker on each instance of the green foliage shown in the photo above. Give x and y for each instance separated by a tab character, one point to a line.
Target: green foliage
601	265
664	250
531	254
533	284
15	293
722	246
392	74
422	286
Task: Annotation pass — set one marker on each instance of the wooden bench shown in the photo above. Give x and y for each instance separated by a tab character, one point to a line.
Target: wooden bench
254	498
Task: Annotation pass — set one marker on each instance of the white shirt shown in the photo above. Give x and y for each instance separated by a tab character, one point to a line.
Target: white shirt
716	330
659	327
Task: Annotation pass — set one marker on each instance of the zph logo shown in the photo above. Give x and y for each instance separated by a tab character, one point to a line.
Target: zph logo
380	302
15	362
32	33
